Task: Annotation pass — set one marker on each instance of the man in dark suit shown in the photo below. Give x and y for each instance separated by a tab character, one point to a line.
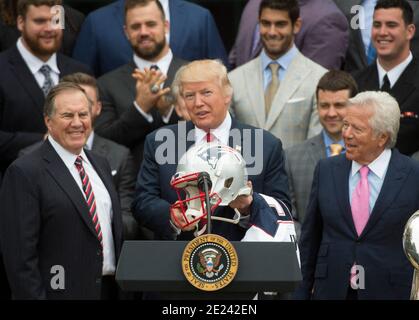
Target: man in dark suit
361	51
131	109
61	226
333	91
351	240
193	35
28	71
323	36
395	70
207	92
119	157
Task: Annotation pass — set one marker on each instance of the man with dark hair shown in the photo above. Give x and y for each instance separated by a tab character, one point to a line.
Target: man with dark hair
275	91
61	226
359	14
136	97
323	36
28	71
193	35
333	92
395	70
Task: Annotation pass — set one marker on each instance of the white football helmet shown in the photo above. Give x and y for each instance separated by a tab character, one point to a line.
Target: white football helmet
227	170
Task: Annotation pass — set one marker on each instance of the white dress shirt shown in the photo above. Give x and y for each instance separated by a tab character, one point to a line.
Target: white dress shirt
103	202
393	74
163	64
221	134
34	64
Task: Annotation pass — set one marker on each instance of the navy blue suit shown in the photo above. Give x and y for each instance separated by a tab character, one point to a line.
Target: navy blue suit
154	195
103	46
22	103
329	244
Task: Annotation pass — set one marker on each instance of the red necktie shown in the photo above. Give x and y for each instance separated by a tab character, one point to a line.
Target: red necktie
90	197
210	137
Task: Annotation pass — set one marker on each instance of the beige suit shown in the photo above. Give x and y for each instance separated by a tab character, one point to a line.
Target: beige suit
293	116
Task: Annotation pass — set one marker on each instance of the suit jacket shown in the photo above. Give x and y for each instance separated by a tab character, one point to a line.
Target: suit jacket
406	92
120	121
123	174
329	244
22	102
46	222
323	36
103	46
293	115
73	21
154	194
356	58
300	162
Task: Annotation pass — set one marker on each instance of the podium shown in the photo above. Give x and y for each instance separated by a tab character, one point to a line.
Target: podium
155	266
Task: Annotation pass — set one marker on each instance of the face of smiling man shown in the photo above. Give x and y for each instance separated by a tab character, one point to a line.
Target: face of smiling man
391	36
70	123
277	31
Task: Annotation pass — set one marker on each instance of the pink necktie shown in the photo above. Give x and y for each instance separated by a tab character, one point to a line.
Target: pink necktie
360	201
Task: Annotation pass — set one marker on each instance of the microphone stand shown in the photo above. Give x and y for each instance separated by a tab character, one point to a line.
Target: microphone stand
204	183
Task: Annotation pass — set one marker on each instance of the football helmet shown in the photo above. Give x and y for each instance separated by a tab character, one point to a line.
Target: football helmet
227	170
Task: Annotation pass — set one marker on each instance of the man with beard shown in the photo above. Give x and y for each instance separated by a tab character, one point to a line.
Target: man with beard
276	91
136	98
28	71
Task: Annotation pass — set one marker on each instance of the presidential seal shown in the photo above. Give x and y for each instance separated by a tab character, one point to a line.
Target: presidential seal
209	262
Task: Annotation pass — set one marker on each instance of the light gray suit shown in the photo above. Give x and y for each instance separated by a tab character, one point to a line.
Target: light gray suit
300	162
293	116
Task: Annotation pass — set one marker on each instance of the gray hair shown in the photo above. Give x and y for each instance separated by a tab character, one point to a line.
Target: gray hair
49	105
202	70
386	113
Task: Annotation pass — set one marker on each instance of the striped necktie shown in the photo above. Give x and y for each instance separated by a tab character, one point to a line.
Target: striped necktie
90	197
48	83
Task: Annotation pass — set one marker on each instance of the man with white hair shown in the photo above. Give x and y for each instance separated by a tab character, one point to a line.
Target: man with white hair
351	239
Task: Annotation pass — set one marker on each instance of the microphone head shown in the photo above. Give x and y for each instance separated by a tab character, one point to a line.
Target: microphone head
201	176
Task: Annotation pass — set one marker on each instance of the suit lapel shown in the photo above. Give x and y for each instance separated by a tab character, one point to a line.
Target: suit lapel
405	85
175	64
341	171
127	77
26	79
393	182
99	146
254	86
294	76
59	172
317	148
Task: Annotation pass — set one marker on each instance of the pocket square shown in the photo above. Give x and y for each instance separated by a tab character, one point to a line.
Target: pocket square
114	172
296	100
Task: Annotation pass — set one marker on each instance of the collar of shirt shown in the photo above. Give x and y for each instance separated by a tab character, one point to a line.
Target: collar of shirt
65	155
163	63
89	142
284	61
221	133
393	74
328	141
378	166
33	62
